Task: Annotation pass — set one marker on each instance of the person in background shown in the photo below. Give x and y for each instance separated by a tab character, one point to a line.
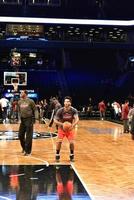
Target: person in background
117	110
124	116
4	103
131	120
102	109
55	106
27	114
90	107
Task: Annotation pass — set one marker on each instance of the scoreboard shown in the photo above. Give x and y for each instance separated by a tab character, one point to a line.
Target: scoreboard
24	30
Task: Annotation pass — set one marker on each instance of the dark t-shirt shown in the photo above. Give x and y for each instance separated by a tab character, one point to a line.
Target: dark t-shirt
57	106
26	107
62	115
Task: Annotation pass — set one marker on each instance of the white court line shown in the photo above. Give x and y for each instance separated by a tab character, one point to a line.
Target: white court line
83	183
54	146
44	161
48	131
6	198
3	163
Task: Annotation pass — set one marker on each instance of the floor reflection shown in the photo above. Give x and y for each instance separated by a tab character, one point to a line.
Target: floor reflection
28	182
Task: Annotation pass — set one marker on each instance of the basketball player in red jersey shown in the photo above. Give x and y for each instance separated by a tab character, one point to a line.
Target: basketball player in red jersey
70	114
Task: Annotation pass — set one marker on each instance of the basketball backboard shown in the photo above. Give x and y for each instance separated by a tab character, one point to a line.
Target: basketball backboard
15	77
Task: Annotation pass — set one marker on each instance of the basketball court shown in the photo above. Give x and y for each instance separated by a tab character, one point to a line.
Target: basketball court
103	167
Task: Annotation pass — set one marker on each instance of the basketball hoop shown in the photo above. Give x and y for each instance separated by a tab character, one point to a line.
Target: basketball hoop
15	87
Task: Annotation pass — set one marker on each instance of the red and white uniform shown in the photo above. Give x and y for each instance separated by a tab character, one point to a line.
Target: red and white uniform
62	115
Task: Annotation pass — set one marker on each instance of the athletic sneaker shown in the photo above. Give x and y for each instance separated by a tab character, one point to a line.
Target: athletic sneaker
23	151
72	157
57	157
27	154
132	136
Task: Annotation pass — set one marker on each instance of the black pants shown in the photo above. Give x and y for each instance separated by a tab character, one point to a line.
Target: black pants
51	119
4	113
125	125
26	134
132	126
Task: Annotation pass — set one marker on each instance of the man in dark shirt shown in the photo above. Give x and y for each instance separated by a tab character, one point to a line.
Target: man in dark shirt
27	113
66	114
55	105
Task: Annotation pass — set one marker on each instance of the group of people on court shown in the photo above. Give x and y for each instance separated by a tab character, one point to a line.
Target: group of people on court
125	111
65	117
102	107
60	116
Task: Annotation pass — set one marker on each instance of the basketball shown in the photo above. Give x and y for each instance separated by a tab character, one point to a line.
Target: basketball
66	126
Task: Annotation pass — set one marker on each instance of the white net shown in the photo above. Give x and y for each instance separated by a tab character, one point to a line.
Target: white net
15	87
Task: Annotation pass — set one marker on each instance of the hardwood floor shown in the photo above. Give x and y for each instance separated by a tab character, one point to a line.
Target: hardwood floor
104	157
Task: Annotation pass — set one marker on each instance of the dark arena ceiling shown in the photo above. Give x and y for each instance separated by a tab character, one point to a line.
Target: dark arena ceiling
42	35
87	9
